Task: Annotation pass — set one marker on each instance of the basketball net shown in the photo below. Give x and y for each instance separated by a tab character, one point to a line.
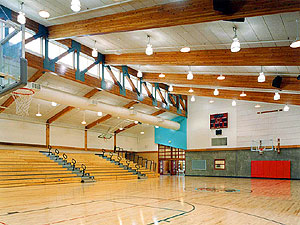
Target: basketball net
23	98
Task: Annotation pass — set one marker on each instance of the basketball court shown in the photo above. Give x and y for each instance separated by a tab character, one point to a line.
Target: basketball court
149	112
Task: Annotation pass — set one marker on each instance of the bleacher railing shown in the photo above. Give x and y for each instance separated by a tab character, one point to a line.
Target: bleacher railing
139	160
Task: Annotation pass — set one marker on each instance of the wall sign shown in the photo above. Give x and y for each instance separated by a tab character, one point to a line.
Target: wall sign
219	120
219	164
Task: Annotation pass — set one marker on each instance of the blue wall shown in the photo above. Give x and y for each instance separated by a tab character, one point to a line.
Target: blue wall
173	138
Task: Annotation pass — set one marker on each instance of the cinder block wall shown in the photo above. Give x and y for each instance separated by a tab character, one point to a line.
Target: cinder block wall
238	163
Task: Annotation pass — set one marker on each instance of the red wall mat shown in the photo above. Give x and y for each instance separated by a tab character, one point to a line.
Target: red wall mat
271	169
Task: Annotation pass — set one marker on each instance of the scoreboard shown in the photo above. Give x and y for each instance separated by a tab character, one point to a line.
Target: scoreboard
219	120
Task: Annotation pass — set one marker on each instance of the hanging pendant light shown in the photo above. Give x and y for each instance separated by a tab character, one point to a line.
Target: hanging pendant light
44	14
190	75
75	5
38	112
221	77
261	78
191	90
185	49
216	92
170	89
83	121
286	108
95	52
161	75
149	49
276	96
21	17
243	94
296	43
139	73
53	103
193	99
99	113
233	103
235	46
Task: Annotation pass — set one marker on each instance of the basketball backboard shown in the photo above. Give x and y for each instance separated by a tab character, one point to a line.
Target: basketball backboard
13	65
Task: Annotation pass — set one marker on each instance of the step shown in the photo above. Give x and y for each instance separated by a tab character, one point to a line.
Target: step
33	172
40	180
9	185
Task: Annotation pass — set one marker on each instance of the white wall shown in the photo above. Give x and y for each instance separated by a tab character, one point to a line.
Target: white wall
146	141
244	124
35	133
22	132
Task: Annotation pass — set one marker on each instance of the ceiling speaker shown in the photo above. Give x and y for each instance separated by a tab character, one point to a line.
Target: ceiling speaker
228	7
277	82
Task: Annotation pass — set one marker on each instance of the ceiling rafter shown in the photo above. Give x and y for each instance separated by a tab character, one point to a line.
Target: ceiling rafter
233	81
166	15
262	56
267	97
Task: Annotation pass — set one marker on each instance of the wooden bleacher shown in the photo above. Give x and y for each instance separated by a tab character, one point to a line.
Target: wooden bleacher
20	168
149	173
100	168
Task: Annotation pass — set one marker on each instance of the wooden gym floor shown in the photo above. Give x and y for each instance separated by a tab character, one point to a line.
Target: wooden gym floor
165	200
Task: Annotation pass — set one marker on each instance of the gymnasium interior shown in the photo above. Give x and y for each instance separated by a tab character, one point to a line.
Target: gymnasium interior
141	112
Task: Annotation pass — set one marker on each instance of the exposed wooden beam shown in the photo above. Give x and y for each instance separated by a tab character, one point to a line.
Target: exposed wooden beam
70	108
162	97
108	116
292	99
134	124
33	78
100	120
110	72
265	56
69	73
242	81
166	15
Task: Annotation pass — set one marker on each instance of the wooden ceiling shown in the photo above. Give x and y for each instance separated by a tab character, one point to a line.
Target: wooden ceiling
166	15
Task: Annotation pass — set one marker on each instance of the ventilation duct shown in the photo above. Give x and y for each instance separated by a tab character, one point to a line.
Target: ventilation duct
63	98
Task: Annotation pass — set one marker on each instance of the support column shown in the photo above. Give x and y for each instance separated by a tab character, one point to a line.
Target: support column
85	139
47	134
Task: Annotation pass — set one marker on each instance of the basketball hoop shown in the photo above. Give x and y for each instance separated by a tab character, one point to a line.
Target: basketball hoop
23	98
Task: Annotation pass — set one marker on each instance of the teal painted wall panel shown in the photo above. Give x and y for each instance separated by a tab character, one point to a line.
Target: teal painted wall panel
173	138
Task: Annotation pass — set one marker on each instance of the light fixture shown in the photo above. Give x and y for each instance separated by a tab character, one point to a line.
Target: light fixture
193	99
286	108
185	49
211	101
191	90
131	107
221	77
161	75
142	132
95	52
83	121
257	106
121	128
99	113
276	96
21	17
156	127
139	74
149	49
136	122
75	5
233	103
235	46
38	112
261	78
53	103
190	76
170	89
243	94
44	14
216	92
296	43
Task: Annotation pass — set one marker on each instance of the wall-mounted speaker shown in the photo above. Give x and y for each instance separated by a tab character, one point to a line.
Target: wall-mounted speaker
277	82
